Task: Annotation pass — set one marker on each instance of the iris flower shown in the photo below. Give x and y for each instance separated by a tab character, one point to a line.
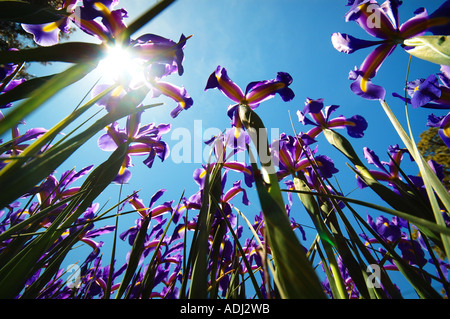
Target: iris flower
146	59
95	17
443	122
387	171
382	22
391	232
143	140
145	211
429	93
255	92
89	233
95	278
355	125
291	158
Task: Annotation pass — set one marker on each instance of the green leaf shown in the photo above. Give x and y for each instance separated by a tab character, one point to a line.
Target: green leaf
293	270
18	181
393	199
312	207
71	52
135	256
23	90
413	219
42	94
23	12
146	17
433	185
434	49
15	273
199	282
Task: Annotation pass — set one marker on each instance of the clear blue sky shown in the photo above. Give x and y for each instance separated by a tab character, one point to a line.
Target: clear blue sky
254	39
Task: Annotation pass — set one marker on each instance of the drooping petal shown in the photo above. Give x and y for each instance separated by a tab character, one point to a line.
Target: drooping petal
43	34
372	158
179	95
359	126
156	196
365	88
236	189
374	60
427	91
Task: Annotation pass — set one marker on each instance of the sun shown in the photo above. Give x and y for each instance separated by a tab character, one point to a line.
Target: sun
119	64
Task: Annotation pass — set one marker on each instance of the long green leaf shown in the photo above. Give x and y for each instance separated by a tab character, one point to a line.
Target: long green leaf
15	273
42	94
71	52
413	219
18	182
146	17
432	184
295	273
135	256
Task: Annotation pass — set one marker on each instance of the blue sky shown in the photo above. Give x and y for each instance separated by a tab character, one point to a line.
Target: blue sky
254	39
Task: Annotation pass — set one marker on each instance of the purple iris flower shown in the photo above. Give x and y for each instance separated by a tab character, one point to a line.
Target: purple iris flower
144	211
94	280
158	57
225	147
199	177
11	85
382	22
143	140
387	171
291	158
443	122
255	92
89	233
429	93
8	68
389	230
97	18
355	125
155	47
19	141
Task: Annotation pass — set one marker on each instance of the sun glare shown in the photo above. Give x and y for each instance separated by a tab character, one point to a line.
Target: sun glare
119	64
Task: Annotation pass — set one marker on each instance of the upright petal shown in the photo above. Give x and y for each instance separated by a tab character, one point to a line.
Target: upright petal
372	18
220	80
415	26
